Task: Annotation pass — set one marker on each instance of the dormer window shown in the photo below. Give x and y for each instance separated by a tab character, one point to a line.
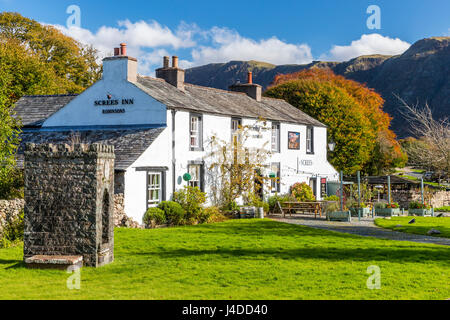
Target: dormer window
196	132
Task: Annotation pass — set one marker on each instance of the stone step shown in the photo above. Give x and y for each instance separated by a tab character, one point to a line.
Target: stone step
53	262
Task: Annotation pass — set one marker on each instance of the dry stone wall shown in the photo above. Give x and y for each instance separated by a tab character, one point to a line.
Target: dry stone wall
69	206
9	211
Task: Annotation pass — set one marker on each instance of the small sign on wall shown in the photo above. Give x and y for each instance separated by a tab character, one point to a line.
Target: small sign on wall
323	187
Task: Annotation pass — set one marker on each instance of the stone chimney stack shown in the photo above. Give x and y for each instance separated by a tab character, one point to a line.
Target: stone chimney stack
120	66
166	62
173	75
251	89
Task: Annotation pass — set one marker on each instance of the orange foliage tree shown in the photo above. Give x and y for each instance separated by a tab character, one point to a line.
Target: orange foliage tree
354	116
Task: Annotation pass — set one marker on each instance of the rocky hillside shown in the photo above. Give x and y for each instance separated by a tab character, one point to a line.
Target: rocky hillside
420	74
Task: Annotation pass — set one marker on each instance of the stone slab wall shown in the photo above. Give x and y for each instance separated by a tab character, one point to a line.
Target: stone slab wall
69	206
9	211
404	197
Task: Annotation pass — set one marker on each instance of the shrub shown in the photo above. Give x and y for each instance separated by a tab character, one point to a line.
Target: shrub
443	209
380	205
211	215
302	192
153	217
11	184
259	203
13	231
418	205
174	213
231	206
335	206
332	198
191	200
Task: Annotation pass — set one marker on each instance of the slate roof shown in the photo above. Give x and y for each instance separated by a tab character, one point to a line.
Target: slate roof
215	101
128	144
33	110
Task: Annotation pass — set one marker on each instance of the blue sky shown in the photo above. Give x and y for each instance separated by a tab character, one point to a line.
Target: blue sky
218	31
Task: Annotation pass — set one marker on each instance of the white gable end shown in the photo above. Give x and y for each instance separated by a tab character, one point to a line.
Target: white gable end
110	103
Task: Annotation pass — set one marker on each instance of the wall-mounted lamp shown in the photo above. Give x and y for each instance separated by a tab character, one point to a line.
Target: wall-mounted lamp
332	145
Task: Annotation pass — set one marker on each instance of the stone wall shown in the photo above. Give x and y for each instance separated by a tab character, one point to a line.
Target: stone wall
120	218
69	201
404	197
9	211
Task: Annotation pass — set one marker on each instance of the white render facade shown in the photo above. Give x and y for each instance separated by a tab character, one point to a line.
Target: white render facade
183	131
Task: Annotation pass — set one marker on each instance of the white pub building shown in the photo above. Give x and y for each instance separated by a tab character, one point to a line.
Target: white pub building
161	127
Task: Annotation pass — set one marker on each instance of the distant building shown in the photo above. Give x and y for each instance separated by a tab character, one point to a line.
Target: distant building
160	128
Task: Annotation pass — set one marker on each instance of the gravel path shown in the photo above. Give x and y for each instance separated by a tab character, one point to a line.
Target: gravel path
365	227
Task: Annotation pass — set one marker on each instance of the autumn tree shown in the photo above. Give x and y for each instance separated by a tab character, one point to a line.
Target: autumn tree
354	116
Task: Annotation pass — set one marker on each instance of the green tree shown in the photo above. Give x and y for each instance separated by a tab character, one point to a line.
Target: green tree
9	140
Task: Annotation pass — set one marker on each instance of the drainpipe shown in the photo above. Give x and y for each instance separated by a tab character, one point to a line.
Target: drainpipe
173	152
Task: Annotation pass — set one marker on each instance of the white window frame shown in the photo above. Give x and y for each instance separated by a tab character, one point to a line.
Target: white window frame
154	186
275	138
275	186
195	132
310	140
198	181
235	124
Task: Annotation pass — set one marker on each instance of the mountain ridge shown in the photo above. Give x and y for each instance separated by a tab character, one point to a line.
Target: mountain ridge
421	74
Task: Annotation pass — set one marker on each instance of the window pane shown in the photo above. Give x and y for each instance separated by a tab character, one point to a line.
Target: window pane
195	132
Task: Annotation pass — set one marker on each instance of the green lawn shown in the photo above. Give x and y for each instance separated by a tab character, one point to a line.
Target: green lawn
242	259
422	225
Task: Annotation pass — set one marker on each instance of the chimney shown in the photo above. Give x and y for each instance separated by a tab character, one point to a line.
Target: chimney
166	62
174	62
120	66
172	75
251	89
123	49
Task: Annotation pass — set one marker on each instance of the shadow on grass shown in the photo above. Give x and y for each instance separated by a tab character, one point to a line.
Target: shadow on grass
440	255
14	264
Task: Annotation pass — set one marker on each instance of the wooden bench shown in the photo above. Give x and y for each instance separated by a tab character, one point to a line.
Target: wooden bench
302	207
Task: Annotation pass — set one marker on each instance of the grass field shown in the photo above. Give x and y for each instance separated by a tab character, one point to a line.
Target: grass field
421	226
242	259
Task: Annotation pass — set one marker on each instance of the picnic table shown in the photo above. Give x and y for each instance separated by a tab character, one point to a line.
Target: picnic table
303	207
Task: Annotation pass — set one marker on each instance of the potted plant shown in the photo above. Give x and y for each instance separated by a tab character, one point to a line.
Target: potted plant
334	213
418	209
363	209
387	209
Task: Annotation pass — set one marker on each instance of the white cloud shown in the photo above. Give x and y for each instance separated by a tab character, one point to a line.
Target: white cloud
366	45
150	41
145	40
228	45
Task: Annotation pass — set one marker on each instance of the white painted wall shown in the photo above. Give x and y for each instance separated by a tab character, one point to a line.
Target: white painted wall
160	154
